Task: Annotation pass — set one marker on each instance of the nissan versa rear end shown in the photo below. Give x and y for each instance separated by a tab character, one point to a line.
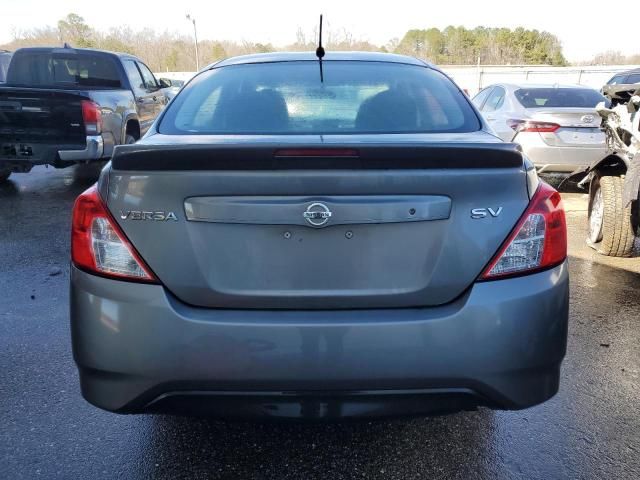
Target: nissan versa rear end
304	239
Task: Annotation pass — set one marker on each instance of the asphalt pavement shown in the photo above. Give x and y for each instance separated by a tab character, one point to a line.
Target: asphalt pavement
591	429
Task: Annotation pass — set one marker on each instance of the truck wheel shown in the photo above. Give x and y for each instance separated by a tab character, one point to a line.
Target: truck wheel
611	229
129	139
4	175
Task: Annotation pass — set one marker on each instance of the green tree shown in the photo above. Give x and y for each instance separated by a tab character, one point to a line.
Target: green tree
73	29
459	45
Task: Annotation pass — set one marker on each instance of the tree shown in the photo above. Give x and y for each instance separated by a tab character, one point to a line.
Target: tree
454	45
72	29
610	57
459	45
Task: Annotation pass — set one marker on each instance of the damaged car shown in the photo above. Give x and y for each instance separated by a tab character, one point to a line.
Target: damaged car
614	182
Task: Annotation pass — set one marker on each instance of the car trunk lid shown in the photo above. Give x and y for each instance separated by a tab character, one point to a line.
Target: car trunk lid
244	224
578	126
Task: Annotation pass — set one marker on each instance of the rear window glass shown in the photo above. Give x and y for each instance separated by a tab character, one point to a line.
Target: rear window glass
63	70
289	98
558	97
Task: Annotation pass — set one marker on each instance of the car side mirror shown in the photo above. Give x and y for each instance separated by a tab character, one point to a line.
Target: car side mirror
164	83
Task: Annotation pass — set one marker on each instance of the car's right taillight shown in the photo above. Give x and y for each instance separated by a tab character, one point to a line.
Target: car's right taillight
538	242
98	245
92	117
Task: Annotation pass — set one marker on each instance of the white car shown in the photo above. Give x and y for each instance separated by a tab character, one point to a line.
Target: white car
557	126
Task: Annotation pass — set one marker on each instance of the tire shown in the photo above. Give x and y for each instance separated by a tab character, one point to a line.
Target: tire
611	229
4	175
129	139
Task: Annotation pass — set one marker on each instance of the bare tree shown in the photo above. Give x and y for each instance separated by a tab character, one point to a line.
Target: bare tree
169	51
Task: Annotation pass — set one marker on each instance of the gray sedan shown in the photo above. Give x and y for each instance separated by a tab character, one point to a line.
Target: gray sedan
305	239
557	126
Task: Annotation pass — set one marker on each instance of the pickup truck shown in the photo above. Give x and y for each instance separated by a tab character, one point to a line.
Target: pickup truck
62	106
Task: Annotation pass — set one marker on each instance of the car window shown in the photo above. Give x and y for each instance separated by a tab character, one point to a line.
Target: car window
558	97
63	70
634	78
495	100
135	78
5	58
149	79
616	80
479	99
200	117
290	98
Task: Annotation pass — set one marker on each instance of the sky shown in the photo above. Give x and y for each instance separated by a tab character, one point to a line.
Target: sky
583	29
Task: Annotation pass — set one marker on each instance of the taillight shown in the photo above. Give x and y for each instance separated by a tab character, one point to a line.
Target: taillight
532	126
539	240
92	117
98	245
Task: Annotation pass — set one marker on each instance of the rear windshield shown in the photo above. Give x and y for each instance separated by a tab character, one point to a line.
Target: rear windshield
289	98
558	97
63	70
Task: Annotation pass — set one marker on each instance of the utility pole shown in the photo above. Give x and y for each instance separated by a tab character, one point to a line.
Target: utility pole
195	37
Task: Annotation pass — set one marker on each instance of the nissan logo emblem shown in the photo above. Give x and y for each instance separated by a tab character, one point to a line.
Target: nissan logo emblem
317	214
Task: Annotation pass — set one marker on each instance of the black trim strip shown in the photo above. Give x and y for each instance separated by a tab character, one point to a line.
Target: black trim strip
261	157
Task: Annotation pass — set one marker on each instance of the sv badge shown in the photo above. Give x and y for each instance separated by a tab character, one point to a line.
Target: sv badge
478	213
154	216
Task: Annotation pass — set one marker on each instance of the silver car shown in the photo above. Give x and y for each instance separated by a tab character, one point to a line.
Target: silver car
557	126
173	89
305	239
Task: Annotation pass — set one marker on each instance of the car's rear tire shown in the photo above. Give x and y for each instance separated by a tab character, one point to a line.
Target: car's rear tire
4	175
611	229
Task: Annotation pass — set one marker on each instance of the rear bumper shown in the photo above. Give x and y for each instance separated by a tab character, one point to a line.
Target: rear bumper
93	150
22	156
140	349
549	158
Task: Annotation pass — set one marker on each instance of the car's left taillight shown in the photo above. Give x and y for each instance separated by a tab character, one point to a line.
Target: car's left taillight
99	246
538	242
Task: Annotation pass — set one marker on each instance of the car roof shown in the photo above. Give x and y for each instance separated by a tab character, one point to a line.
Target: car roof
310	56
71	50
516	86
627	72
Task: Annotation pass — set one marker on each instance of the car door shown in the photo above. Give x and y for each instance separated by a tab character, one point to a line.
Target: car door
153	87
145	105
495	113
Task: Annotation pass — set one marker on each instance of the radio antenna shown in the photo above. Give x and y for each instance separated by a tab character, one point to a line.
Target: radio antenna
320	50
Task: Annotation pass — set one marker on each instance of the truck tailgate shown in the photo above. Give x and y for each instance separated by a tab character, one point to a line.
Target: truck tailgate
33	119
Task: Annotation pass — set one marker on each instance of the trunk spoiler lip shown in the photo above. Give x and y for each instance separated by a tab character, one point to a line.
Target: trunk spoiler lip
263	156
